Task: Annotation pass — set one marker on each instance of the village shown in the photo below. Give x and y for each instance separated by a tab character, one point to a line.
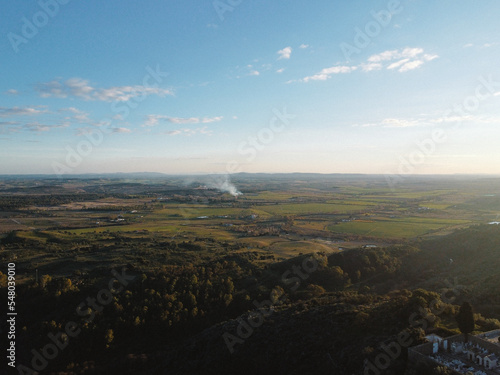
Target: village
479	355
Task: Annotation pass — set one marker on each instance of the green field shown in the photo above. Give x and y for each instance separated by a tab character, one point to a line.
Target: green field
396	228
283	217
312	208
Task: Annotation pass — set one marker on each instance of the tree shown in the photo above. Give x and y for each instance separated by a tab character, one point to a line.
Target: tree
315	290
109	337
442	370
465	320
44	280
3	280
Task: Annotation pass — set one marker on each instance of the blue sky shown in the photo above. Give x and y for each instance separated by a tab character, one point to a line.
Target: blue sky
195	86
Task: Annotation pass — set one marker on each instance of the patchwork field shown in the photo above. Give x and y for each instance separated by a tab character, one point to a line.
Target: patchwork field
273	220
396	228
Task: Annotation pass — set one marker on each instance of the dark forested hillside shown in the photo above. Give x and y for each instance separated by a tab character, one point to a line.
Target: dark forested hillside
331	313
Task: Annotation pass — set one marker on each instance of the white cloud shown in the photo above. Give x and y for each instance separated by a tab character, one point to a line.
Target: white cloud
468	45
153	120
280	70
370	66
57	119
430	57
469	118
430	120
9	123
316	77
411	52
113	130
399	123
72	87
304	46
80	88
207	120
285	53
190	132
328	72
397	64
403	60
84	131
411	65
391	123
77	115
22	111
71	109
38	127
396	54
384	56
182	120
251	71
121	130
338	69
194	120
125	93
174	132
406	59
12	92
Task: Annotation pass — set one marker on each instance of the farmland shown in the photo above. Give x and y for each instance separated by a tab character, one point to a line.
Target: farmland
202	257
277	217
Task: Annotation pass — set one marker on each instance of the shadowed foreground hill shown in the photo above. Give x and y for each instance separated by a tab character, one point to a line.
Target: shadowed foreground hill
174	320
333	334
467	260
338	332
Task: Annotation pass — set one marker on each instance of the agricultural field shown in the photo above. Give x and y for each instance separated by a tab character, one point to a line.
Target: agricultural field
408	227
201	257
279	217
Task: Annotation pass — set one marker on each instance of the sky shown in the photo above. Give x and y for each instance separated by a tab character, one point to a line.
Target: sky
202	86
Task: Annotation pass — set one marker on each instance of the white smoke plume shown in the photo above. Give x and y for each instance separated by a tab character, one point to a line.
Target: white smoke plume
224	184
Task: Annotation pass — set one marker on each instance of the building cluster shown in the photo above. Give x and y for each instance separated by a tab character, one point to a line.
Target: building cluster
479	355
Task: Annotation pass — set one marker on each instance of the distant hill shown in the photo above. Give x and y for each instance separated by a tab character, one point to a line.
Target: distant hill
132	175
